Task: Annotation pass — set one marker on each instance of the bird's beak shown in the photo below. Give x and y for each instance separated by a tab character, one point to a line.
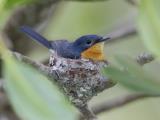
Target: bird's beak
105	38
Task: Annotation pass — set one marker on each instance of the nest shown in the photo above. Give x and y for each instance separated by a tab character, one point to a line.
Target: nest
80	79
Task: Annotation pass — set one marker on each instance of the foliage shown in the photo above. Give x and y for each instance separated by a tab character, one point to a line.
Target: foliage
149	25
12	3
133	76
33	96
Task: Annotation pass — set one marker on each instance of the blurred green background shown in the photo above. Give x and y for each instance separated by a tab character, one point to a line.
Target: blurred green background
73	19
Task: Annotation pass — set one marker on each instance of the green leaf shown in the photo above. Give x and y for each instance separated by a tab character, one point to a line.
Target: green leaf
13	3
133	76
2	2
33	96
149	25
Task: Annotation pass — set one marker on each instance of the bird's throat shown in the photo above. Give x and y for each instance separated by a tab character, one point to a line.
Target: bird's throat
96	52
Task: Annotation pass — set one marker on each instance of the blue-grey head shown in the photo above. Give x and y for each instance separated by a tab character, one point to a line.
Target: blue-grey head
87	41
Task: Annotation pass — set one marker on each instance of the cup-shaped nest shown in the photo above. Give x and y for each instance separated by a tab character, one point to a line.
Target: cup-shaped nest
80	79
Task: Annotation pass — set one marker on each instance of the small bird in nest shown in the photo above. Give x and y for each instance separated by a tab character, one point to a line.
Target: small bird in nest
87	46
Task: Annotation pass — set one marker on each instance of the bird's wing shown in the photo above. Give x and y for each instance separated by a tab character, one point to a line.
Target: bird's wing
62	47
36	36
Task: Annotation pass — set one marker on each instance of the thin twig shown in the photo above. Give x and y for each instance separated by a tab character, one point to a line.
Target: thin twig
123	28
119	102
37	65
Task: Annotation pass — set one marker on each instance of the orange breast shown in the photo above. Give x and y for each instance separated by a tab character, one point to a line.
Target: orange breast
96	52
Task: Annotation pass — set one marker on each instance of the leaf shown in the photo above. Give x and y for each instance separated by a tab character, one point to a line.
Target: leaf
2	3
12	3
133	76
33	96
149	25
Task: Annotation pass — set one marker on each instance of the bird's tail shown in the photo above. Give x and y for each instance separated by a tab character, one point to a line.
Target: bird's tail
36	36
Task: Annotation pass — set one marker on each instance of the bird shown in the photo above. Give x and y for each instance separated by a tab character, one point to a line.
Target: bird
86	47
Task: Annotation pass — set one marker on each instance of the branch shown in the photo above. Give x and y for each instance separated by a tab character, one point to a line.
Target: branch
124	28
119	102
38	66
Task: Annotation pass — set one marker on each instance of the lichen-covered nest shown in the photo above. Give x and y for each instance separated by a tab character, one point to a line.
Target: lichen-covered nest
80	79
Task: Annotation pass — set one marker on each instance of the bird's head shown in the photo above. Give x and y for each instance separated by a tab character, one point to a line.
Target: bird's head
91	46
88	41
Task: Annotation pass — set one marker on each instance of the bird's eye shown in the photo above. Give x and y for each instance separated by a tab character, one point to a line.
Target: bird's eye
89	42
